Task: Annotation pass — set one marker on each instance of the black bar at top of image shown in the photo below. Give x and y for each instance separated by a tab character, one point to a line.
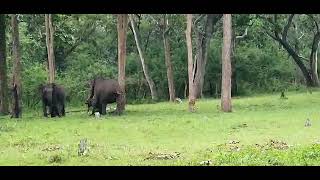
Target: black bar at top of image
159	6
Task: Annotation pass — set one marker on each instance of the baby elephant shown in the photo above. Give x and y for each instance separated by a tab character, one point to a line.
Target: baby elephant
53	99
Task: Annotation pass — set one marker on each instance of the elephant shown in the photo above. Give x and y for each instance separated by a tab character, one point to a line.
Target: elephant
103	92
53	98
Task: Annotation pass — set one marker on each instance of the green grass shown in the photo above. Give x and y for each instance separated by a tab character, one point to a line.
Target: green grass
144	130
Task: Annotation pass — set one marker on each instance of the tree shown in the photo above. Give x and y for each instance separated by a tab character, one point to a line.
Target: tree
202	47
226	64
122	24
50	50
137	38
3	68
16	81
192	97
280	34
167	52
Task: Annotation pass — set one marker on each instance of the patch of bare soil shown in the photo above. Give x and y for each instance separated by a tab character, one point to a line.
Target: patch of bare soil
162	156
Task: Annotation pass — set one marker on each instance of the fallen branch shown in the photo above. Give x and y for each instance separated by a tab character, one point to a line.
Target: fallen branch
82	110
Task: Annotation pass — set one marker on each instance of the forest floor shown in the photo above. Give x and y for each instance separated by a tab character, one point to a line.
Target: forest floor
261	130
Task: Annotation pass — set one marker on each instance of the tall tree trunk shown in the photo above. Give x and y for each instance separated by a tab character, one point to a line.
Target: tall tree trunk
314	60
314	69
137	38
16	81
226	64
167	54
192	97
205	46
50	50
122	41
4	109
198	66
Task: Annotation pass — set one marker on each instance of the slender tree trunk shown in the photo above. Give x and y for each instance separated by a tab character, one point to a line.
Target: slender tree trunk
314	69
16	82
205	46
314	60
192	98
122	41
4	109
198	66
137	38
226	64
167	54
49	41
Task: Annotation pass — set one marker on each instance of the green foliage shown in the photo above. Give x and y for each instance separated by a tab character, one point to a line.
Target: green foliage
32	78
86	47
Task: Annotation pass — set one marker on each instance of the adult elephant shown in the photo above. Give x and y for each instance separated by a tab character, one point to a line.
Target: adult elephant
103	92
53	99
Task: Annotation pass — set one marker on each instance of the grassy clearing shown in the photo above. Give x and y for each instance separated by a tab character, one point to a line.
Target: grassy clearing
262	130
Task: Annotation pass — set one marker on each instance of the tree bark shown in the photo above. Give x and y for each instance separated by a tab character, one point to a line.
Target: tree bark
16	81
226	64
192	97
4	104
137	38
314	60
168	62
50	50
205	46
122	26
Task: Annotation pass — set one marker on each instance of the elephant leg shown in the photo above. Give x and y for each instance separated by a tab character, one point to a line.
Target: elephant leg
103	109
99	109
53	111
59	110
94	105
63	110
45	113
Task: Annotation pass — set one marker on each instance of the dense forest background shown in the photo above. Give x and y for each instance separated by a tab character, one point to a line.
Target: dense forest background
85	46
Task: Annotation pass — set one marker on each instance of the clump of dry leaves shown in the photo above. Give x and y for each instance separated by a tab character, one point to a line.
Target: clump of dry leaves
52	148
274	144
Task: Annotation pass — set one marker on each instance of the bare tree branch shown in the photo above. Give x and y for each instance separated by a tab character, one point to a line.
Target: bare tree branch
243	35
304	58
156	21
301	36
286	28
198	19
